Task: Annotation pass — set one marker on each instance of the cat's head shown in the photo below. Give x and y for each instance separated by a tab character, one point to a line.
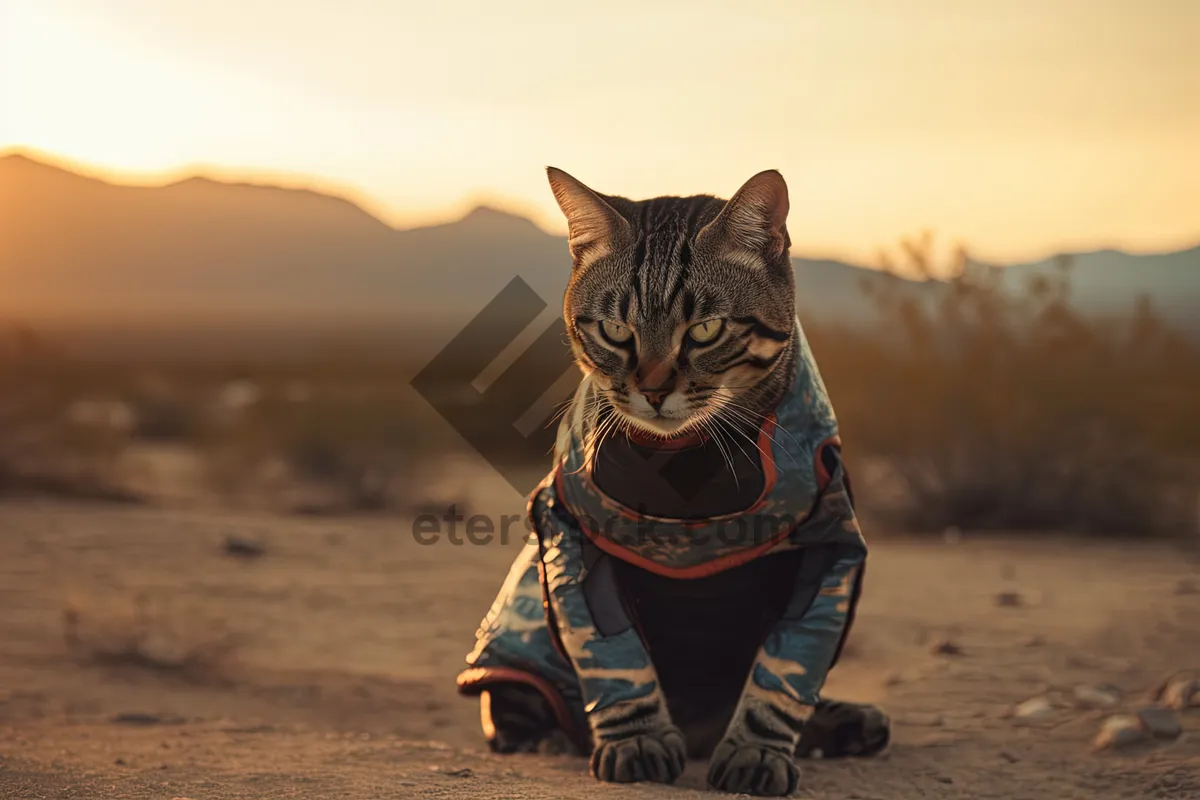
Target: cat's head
681	309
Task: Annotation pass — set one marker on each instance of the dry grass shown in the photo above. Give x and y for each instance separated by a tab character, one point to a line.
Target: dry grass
985	409
998	410
134	631
41	450
344	447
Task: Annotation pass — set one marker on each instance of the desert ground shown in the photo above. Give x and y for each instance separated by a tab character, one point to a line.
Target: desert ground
144	657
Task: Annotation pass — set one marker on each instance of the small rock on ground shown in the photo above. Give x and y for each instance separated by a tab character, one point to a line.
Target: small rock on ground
1161	723
1034	709
1009	600
141	718
1179	693
946	647
1096	696
1120	731
243	548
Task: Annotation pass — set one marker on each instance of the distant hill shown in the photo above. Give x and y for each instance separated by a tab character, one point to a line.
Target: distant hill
1110	281
212	253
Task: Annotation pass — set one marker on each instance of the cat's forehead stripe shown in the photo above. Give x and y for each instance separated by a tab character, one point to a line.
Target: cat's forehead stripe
657	279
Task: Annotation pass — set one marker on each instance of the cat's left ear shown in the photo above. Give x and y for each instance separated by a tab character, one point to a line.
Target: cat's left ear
753	224
594	228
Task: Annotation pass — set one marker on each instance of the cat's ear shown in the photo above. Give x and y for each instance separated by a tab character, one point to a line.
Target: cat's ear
595	229
753	224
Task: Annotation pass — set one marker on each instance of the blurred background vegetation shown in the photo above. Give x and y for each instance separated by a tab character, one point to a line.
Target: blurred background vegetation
982	407
994	408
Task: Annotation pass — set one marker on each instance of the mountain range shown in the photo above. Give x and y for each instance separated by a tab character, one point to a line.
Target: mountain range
200	251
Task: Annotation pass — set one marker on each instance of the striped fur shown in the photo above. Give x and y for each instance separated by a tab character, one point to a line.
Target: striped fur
757	754
658	267
635	741
650	271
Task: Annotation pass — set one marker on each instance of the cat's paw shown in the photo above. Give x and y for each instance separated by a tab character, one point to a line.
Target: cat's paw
743	768
657	756
838	729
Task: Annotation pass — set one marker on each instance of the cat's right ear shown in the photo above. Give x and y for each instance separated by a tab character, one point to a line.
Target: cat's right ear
752	227
594	228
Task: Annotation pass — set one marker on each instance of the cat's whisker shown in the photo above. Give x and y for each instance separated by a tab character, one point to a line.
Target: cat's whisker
714	416
739	416
749	415
777	426
759	447
734	430
704	423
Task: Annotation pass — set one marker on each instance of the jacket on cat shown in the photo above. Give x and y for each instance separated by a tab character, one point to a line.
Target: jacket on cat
682	512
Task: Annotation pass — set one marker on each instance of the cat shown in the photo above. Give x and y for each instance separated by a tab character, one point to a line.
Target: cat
697	560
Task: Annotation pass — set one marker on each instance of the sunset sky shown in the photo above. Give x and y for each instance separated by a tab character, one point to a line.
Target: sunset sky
1020	127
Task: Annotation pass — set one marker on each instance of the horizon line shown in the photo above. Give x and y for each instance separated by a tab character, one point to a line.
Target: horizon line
305	182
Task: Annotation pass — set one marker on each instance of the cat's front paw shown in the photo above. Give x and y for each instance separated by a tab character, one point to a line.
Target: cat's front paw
744	768
654	755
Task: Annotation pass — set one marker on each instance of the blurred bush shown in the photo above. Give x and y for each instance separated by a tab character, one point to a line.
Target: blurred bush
50	441
320	440
1008	410
969	404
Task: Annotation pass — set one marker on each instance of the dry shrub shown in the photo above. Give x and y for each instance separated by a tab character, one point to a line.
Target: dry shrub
165	417
42	449
135	631
343	448
1010	410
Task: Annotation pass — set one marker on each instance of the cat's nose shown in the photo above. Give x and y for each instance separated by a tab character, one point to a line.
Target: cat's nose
655	380
655	397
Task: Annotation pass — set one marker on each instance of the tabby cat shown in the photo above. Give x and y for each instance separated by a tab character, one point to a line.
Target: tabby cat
697	559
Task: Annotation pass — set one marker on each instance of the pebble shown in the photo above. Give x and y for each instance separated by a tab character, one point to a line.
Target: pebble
1034	709
946	647
1119	731
240	547
1180	693
1078	661
1160	722
1096	696
140	718
1009	600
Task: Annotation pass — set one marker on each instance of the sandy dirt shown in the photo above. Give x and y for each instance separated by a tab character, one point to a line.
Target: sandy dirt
138	659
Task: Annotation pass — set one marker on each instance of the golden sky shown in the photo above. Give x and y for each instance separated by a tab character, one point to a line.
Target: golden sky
1018	126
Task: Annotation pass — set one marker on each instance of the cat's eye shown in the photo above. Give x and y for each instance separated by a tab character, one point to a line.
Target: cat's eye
615	332
705	332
